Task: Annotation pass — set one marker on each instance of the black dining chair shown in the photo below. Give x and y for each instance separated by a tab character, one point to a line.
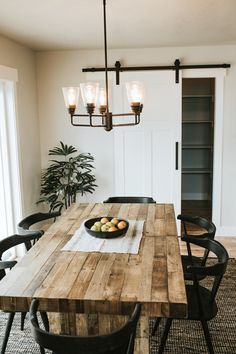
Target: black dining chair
24	225
124	199
23	228
5	245
120	341
206	230
201	300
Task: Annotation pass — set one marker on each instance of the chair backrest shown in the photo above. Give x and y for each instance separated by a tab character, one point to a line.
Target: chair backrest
207	228
199	221
124	199
119	342
8	243
217	270
24	225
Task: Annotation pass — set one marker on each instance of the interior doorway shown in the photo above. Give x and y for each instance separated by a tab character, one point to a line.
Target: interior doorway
198	98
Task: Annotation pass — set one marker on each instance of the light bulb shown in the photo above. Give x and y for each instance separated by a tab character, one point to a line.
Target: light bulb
102	101
89	92
102	97
71	97
135	94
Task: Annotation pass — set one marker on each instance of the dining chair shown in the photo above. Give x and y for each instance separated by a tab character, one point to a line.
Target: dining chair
23	228
124	199
24	225
201	300
120	341
206	230
5	245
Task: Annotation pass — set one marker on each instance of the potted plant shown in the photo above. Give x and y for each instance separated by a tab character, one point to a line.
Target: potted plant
66	177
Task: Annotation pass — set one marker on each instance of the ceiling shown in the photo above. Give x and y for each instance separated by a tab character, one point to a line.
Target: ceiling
78	24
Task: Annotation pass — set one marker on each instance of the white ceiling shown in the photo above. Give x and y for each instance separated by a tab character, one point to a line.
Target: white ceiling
78	24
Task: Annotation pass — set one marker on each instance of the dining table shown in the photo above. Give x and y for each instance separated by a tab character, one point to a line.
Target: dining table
94	291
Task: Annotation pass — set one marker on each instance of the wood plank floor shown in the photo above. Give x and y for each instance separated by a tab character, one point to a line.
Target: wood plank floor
203	208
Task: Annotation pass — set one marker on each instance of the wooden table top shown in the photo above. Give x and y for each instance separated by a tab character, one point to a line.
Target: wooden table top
102	282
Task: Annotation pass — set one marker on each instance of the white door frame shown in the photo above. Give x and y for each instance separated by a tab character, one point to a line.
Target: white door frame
219	75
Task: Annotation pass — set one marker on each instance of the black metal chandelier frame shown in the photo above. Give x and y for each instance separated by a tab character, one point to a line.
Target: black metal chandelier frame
105	115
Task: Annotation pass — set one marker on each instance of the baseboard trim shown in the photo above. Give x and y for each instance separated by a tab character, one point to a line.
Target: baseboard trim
226	231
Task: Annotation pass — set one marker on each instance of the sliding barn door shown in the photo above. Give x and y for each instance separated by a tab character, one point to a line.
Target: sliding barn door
147	156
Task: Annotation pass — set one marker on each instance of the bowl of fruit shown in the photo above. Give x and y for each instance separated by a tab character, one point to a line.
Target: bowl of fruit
106	227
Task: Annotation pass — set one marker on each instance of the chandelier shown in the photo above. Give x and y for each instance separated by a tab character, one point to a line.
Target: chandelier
94	96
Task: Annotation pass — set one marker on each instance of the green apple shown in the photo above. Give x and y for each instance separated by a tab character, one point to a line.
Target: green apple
98	224
94	228
104	228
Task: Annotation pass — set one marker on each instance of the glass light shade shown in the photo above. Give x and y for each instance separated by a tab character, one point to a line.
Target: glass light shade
102	97
102	101
71	96
135	92
89	92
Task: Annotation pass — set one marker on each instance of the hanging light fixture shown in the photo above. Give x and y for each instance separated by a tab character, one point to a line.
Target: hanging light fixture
91	95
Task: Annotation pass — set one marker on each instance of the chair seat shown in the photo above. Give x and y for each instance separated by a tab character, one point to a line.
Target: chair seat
186	262
209	312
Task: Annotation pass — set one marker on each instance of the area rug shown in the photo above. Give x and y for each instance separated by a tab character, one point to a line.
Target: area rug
187	336
184	337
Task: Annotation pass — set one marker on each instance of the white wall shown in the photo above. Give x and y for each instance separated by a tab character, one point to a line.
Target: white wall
23	59
63	68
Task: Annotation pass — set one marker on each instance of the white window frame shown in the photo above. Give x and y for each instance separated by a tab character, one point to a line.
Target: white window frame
10	187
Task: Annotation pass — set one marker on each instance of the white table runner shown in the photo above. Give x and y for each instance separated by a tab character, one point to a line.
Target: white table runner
129	243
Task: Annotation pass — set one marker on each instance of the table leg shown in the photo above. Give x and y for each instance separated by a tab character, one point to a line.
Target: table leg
142	336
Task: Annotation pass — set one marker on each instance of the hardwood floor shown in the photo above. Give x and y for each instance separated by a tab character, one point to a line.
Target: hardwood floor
203	208
197	207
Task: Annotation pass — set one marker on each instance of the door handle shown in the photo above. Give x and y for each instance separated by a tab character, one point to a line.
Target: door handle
176	155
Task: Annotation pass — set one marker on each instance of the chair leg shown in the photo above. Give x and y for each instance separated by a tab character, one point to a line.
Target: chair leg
7	331
207	336
22	320
42	351
165	335
44	317
156	325
45	322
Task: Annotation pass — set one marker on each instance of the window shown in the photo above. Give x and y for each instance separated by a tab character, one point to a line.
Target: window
10	191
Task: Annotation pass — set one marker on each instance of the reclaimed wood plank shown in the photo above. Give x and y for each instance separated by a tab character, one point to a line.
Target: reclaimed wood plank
113	288
175	280
148	251
100	277
84	277
171	227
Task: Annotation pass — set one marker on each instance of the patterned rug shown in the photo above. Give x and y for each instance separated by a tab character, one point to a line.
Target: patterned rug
187	336
184	337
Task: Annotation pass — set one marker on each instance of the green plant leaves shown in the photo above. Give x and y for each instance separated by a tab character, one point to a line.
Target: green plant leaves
64	179
64	150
